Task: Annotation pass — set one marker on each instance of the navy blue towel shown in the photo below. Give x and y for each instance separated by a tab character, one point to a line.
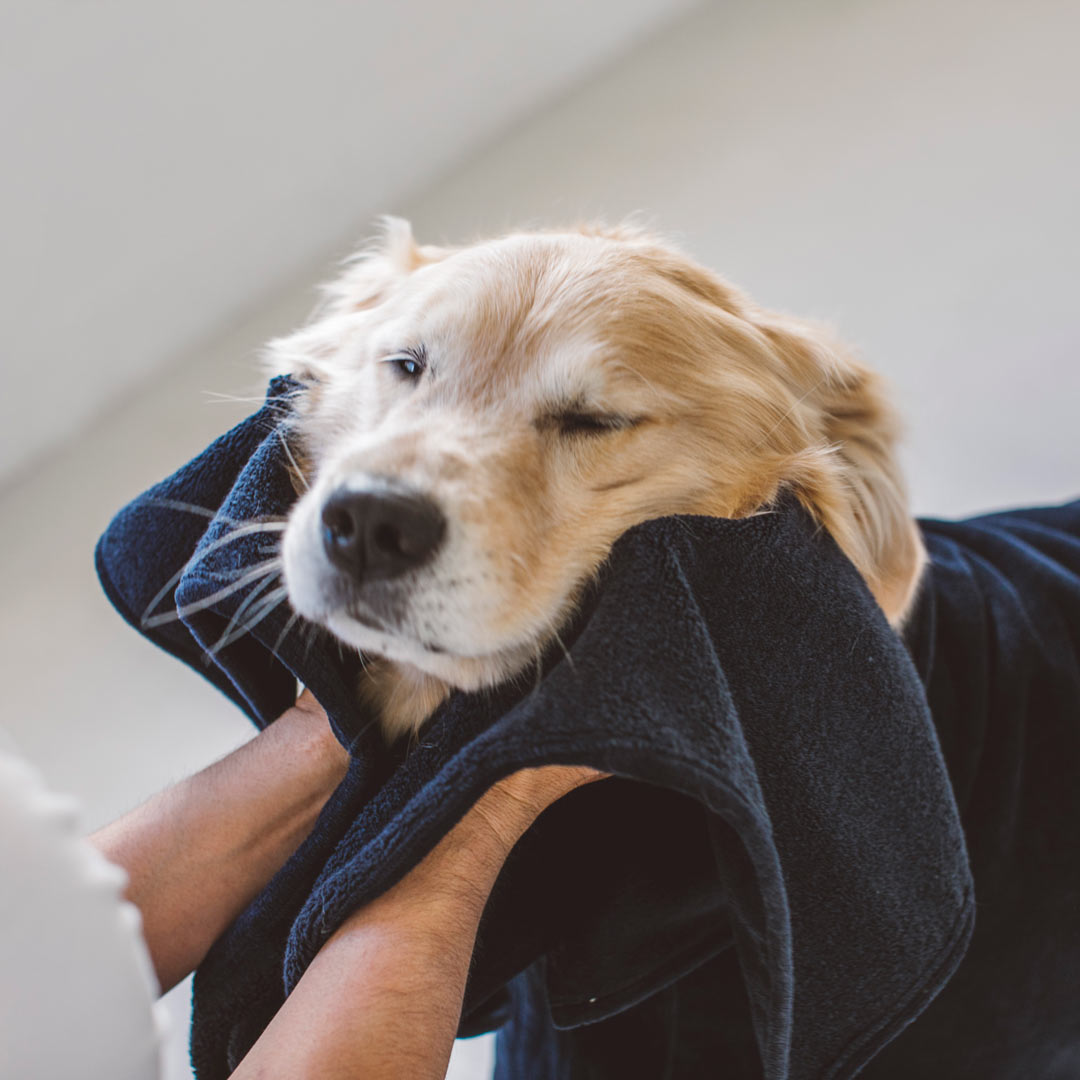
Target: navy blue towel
776	882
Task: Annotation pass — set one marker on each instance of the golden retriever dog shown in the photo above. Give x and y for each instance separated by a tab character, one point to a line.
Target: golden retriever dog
479	424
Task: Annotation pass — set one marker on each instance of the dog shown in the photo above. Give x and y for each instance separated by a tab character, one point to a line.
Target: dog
479	424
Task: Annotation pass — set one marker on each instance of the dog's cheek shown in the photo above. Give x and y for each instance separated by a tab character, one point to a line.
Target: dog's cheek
302	568
491	569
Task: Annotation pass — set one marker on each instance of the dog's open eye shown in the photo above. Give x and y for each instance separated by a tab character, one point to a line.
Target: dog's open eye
409	363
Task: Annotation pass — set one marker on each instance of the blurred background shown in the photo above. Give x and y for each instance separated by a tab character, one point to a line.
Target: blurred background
177	177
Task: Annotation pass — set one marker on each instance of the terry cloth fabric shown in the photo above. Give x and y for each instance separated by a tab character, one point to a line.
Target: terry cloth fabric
996	640
780	854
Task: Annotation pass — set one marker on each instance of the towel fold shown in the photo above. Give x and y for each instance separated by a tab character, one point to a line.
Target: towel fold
781	849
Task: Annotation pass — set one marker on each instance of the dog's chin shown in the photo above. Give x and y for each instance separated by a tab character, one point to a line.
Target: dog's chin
456	671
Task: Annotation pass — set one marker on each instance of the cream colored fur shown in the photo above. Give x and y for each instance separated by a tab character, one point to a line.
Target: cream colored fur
715	406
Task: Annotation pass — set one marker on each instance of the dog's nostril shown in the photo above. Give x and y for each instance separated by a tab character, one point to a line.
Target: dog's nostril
338	523
380	534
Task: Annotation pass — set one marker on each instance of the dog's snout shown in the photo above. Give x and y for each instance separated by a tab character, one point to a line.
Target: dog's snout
380	534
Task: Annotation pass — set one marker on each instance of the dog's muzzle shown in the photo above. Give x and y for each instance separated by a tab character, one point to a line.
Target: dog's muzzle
373	535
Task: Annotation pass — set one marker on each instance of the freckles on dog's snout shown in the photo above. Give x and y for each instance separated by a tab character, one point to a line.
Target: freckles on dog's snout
377	534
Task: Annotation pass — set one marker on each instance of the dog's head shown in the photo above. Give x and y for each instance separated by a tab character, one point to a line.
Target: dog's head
480	424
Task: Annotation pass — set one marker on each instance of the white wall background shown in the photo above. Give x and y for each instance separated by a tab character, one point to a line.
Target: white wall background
907	168
168	165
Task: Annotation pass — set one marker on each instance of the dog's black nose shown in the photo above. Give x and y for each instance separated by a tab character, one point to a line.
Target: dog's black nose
380	534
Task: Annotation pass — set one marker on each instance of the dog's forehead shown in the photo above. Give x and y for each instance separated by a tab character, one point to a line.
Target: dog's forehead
525	312
511	291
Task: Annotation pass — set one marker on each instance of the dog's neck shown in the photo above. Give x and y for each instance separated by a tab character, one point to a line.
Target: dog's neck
401	695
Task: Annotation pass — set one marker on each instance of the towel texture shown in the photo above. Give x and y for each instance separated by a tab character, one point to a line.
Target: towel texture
776	882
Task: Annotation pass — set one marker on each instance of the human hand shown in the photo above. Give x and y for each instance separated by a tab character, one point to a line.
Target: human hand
383	997
476	848
199	851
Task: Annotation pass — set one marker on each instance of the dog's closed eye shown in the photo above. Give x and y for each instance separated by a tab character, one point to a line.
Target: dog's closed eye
571	422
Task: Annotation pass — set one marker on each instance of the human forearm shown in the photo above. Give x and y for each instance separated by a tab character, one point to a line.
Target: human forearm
199	851
382	999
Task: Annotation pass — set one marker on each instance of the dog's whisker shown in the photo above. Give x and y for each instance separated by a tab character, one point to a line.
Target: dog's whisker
269	603
289	624
565	651
538	663
145	622
292	460
233	535
207	512
363	664
184	610
176	504
216	397
242	530
311	632
242	610
684	525
273	558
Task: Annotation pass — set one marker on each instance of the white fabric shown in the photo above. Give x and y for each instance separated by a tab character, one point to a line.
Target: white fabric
77	988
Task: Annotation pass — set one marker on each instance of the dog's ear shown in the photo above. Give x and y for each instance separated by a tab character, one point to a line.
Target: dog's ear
854	486
377	267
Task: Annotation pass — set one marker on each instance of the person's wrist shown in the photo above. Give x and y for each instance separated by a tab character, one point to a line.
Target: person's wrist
302	764
440	901
470	857
306	728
